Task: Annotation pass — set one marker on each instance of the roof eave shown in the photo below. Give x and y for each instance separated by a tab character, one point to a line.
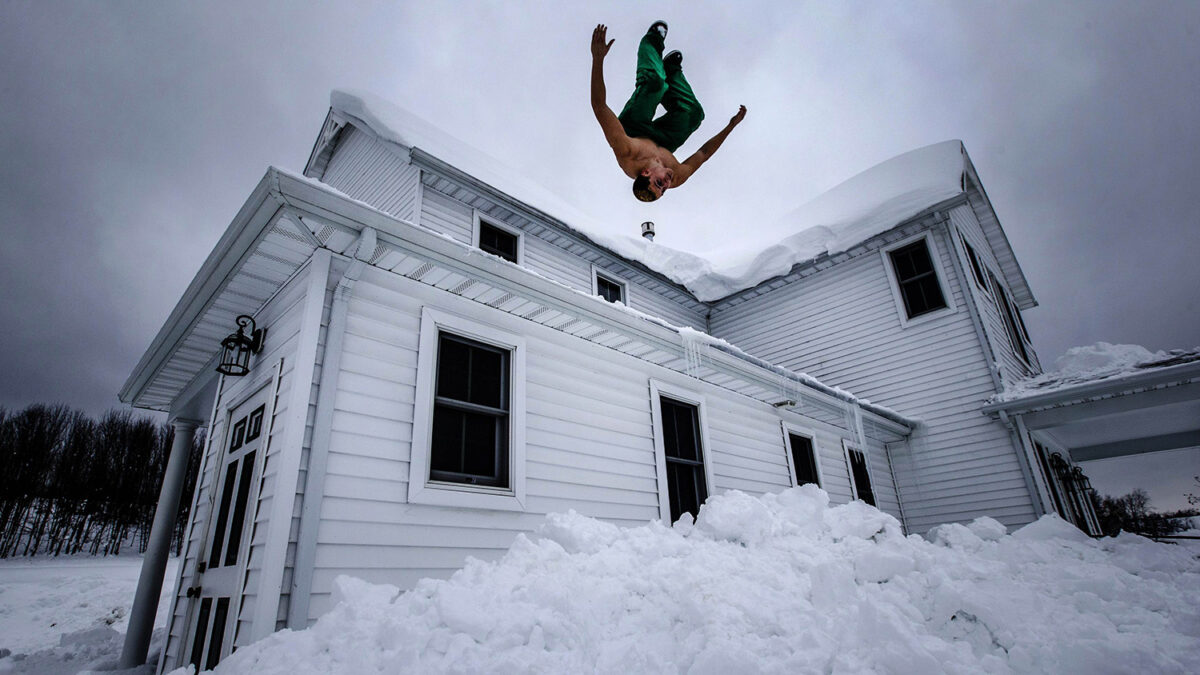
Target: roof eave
1159	377
1017	283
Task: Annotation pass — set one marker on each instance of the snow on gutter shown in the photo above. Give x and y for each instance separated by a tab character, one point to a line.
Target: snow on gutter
1125	383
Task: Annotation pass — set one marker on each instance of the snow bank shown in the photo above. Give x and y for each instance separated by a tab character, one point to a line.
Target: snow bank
1095	363
782	583
854	211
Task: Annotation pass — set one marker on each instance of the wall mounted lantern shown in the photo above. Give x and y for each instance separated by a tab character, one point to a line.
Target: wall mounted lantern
237	348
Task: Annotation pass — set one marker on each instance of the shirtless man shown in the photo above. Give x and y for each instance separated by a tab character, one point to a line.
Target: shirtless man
644	146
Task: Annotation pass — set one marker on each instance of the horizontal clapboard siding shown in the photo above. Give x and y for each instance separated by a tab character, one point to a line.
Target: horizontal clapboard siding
367	170
282	317
589	443
843	326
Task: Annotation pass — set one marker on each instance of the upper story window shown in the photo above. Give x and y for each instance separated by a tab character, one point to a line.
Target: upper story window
608	287
497	240
1013	323
917	279
976	263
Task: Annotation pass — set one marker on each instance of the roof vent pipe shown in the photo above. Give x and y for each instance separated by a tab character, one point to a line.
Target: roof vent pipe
648	230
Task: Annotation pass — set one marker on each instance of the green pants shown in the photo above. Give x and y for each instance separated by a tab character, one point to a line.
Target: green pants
655	84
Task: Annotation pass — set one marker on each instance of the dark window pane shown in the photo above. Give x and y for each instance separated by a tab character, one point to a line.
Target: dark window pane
218	538
218	634
804	460
686	485
254	426
862	479
472	372
239	510
917	279
498	242
470	417
239	434
201	629
609	290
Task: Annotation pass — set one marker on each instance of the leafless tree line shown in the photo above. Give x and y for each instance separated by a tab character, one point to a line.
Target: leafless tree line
72	484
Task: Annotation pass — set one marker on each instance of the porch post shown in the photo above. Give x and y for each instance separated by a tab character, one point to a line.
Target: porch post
154	565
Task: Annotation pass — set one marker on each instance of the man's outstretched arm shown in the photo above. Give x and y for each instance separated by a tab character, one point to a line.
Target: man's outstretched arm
614	133
707	150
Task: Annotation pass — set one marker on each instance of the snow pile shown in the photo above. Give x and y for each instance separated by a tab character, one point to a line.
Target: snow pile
778	584
66	614
868	204
1094	363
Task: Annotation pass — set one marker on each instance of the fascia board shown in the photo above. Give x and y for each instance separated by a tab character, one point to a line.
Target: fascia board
1171	375
352	216
227	256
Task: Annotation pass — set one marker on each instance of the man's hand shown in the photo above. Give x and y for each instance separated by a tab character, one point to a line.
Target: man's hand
737	119
599	46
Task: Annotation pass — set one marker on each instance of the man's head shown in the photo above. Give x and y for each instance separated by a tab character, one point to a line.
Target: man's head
652	182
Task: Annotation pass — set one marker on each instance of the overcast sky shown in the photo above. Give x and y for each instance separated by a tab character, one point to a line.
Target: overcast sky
133	133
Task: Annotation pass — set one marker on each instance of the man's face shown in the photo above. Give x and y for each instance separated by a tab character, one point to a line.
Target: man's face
660	179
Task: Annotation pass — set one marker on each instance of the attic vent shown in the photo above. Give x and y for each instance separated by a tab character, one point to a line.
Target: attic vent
421	271
501	300
290	234
380	249
461	288
569	325
325	233
537	312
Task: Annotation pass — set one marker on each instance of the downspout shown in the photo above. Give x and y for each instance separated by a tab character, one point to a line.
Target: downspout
968	288
318	458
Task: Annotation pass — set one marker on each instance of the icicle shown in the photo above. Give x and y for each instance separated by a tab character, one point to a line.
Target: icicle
789	390
694	351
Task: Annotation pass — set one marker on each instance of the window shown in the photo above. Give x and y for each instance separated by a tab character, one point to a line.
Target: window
498	241
860	475
468	415
686	485
1012	319
976	263
917	279
804	460
608	287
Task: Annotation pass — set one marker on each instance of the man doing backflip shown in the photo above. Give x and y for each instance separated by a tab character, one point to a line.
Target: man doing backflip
644	146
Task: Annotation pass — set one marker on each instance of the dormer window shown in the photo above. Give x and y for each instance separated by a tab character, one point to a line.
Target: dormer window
608	287
497	240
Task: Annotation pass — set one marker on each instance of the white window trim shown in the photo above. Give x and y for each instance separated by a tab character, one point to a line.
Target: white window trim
597	273
866	453
658	389
421	490
942	277
478	217
789	430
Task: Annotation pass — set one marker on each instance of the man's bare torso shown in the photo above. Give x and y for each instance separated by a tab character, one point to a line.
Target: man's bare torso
643	152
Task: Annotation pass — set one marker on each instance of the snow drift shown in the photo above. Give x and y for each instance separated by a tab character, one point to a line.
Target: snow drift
782	583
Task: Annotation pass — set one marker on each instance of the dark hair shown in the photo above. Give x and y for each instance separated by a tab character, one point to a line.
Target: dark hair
641	189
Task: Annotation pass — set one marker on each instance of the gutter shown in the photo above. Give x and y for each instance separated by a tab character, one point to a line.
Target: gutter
1170	376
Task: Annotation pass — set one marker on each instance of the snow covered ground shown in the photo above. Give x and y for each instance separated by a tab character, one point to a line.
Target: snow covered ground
64	615
784	583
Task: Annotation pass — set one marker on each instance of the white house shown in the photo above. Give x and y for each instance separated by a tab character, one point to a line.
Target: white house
450	354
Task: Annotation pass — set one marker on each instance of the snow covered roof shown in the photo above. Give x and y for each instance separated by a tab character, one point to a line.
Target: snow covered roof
856	210
1114	365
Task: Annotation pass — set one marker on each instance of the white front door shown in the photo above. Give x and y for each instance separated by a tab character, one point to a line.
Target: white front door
219	571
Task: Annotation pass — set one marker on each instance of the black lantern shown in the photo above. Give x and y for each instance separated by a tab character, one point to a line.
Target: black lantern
237	348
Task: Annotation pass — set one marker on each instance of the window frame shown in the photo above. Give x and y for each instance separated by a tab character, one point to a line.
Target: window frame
790	430
939	272
421	488
847	446
979	269
1014	325
598	273
658	389
479	220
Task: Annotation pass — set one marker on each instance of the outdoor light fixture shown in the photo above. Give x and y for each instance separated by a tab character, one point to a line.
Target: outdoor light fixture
237	348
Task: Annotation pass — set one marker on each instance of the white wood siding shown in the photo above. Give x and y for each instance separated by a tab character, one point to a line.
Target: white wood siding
843	326
589	443
282	317
369	171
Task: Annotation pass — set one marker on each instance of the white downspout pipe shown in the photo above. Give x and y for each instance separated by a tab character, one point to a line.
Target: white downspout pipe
154	565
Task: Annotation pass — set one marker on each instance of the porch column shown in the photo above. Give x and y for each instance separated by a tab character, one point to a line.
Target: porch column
154	565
